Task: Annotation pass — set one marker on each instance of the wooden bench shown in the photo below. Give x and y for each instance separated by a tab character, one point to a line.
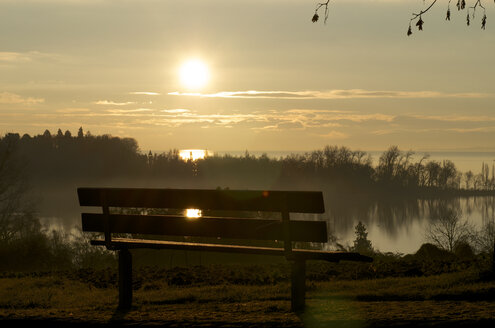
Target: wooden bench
109	222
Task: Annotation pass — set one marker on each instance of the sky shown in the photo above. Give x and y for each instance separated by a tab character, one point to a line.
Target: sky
276	81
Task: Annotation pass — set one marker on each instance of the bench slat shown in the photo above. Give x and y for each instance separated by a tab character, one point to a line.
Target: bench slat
259	229
229	200
306	254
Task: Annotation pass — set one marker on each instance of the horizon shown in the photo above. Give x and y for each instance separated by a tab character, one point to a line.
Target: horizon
465	160
481	150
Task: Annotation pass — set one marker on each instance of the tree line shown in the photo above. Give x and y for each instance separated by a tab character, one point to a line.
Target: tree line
84	157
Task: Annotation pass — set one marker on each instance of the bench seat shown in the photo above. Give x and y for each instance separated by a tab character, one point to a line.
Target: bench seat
308	254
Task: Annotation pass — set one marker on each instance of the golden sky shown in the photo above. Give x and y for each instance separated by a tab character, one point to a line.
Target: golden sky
275	80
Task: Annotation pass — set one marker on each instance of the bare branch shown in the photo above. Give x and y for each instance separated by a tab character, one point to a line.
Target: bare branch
417	17
473	8
318	6
461	5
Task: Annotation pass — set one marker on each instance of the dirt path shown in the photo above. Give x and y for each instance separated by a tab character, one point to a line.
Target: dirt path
319	313
344	313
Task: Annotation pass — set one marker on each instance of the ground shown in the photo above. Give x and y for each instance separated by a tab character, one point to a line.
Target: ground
65	299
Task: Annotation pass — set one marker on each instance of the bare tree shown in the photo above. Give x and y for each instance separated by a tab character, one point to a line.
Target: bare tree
447	229
15	214
485	238
417	17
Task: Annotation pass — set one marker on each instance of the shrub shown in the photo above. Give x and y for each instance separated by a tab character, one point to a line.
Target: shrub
361	243
430	252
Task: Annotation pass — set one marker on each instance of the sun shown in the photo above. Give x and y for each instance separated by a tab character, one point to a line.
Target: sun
194	74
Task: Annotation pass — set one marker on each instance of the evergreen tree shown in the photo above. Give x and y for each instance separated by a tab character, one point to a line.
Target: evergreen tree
361	243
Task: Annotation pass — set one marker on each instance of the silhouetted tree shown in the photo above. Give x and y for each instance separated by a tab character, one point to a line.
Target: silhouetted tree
447	177
15	211
361	243
433	169
447	229
485	176
468	177
395	169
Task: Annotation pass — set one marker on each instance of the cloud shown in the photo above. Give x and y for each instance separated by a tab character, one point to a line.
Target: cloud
11	57
175	111
384	132
331	94
12	98
364	117
455	118
281	126
73	110
113	103
315	111
147	93
473	130
335	135
127	111
6	56
279	120
274	120
419	130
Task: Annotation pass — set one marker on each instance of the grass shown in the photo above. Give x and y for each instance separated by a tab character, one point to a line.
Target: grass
90	297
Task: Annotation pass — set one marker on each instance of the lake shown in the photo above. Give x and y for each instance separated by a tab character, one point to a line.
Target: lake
392	226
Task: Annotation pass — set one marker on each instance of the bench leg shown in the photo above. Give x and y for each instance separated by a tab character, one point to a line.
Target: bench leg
298	285
125	279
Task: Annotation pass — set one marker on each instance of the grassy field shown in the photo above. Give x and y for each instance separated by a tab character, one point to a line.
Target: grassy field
203	297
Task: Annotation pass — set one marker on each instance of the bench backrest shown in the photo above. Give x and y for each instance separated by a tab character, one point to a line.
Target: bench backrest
284	202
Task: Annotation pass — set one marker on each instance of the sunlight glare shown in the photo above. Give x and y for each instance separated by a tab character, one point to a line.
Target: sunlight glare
193	154
194	74
193	213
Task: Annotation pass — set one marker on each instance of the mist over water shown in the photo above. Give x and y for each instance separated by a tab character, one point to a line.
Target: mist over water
393	226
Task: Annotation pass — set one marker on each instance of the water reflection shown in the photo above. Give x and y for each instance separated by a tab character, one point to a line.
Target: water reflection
193	154
193	213
394	225
399	225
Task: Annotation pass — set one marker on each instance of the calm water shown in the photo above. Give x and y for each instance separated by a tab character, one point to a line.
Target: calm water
401	227
392	227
